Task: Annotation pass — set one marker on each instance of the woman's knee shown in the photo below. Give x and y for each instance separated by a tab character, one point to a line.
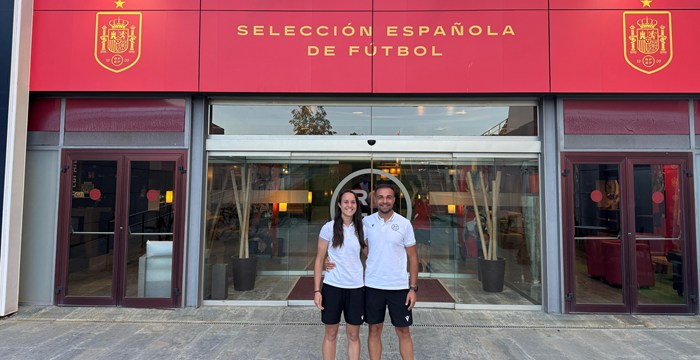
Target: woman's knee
331	332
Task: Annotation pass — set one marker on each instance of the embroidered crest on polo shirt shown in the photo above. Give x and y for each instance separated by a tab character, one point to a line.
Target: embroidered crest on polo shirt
395	227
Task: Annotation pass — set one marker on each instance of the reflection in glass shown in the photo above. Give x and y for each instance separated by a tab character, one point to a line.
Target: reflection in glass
414	120
597	233
291	199
91	249
150	229
657	219
311	120
657	245
227	119
498	212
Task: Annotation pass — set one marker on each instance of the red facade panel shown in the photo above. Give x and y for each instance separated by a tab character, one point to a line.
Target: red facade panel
44	115
284	52
288	5
68	53
125	115
314	46
591	51
583	117
697	117
495	52
624	4
125	5
458	5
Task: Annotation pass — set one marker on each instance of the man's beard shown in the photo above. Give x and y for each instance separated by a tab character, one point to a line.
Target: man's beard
385	212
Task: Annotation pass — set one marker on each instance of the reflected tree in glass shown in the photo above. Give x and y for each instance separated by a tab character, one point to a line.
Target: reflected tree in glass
311	120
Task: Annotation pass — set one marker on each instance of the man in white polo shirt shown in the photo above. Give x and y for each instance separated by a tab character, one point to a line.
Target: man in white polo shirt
391	243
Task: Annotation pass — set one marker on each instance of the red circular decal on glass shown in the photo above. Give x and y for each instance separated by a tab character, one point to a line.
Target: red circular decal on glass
95	194
152	195
596	195
657	197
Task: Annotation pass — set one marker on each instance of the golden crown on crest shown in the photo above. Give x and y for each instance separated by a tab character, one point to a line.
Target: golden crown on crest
647	23
119	23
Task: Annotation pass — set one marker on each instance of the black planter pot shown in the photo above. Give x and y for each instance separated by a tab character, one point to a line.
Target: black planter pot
244	272
492	274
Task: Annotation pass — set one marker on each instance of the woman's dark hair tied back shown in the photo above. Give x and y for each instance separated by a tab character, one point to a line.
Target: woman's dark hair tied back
338	237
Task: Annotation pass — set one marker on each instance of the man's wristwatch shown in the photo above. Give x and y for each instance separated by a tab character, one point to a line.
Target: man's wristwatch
413	287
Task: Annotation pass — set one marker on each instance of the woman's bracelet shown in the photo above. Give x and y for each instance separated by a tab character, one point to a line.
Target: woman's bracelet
317	291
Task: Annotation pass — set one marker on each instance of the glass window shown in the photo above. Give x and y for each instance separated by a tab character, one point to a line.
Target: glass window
461	209
414	120
289	120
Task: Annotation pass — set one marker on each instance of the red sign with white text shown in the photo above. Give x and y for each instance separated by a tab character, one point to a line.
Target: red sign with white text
630	51
284	52
461	52
115	51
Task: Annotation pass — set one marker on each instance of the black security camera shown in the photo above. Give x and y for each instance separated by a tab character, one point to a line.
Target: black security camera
371	142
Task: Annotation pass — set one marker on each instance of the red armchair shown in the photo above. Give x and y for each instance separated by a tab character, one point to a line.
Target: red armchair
595	260
613	268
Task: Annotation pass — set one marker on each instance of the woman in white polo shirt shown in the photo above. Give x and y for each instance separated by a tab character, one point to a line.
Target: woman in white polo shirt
342	291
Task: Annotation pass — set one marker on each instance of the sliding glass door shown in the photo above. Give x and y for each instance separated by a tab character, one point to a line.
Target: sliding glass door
273	207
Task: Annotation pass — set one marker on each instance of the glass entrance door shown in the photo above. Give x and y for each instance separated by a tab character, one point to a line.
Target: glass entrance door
624	234
120	229
272	208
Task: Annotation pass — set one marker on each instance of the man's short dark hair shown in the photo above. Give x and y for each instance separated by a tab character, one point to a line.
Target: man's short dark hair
385	186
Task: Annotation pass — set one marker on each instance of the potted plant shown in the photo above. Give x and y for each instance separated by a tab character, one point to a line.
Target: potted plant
244	266
491	268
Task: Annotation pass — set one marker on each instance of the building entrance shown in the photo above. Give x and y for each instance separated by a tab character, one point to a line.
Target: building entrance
628	246
120	228
273	207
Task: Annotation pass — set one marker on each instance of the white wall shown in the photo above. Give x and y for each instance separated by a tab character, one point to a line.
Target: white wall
14	161
39	225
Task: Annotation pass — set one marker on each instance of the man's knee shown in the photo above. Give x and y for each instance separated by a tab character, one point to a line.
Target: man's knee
353	337
375	330
403	332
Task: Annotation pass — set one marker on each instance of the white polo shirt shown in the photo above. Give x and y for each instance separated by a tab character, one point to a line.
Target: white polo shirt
387	259
347	273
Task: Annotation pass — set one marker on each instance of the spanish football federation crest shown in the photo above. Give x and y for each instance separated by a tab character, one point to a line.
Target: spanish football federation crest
648	41
118	40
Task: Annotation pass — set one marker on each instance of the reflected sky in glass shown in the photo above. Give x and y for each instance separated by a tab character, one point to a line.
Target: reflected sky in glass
415	120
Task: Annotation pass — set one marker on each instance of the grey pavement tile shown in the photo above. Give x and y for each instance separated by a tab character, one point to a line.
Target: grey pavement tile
106	335
226	332
74	353
520	344
206	346
667	344
7	352
675	338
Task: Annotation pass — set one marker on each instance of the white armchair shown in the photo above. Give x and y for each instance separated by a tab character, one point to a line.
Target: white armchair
155	270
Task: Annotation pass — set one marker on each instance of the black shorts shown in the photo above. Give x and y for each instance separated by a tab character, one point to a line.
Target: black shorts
349	302
376	302
422	236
